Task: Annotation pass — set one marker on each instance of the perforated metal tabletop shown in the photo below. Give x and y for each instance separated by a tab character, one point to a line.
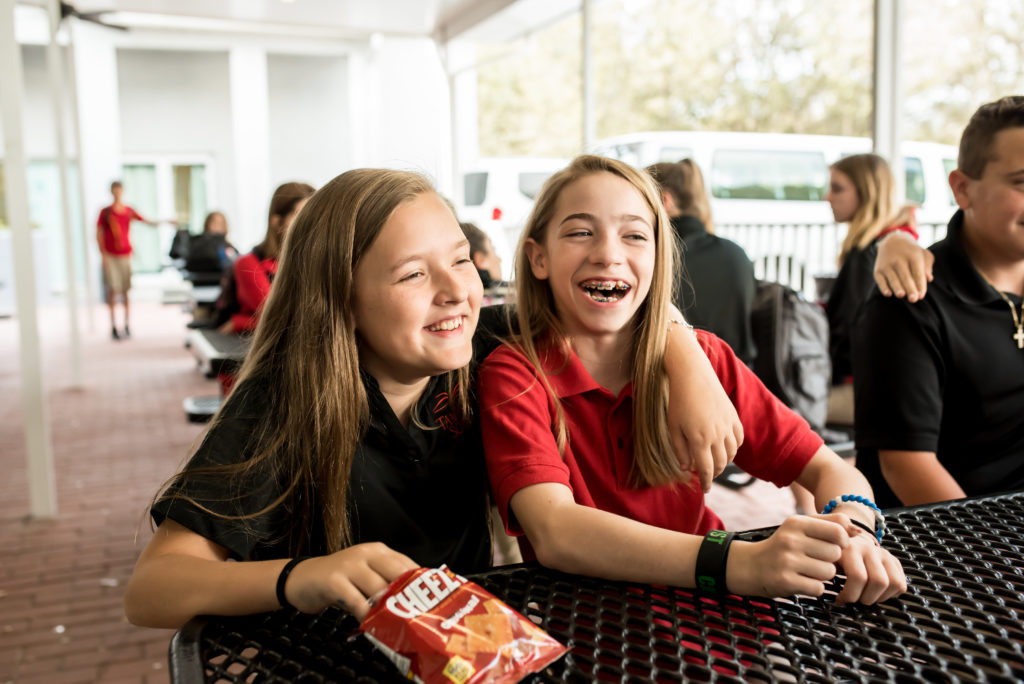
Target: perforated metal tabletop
962	620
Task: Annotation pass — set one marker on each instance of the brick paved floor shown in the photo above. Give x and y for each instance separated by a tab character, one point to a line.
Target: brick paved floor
114	442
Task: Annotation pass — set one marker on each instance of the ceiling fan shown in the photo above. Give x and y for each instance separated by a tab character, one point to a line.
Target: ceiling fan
68	10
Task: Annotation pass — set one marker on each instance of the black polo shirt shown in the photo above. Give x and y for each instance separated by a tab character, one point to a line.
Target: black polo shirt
421	490
942	375
714	285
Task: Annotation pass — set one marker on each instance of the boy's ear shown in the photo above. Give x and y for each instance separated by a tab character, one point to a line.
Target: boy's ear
958	183
538	258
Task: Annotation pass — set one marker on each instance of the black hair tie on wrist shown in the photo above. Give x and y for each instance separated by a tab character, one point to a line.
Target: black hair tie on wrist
867	529
711	558
283	577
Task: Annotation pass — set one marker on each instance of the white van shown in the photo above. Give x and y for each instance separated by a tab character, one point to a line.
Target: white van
775	178
498	194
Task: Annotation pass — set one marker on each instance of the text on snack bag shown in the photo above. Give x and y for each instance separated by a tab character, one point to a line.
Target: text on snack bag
423	593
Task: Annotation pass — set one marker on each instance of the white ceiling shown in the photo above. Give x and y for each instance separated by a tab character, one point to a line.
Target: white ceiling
346	19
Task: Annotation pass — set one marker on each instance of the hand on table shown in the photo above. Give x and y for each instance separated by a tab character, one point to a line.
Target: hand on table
798	558
347	578
872	573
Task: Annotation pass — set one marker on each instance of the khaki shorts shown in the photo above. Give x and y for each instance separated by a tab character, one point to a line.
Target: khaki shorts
117	273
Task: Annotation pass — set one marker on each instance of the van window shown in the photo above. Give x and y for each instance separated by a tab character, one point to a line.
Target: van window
674	154
474	188
914	172
627	152
530	182
768	175
948	165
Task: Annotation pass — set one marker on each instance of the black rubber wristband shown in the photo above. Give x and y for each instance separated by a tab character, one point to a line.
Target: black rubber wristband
283	577
711	558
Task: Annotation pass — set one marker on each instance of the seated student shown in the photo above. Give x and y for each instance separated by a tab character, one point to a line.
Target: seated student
573	417
862	195
715	286
254	272
210	252
940	382
487	262
350	437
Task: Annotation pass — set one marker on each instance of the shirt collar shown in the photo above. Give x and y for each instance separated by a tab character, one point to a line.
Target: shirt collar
567	374
964	281
687	226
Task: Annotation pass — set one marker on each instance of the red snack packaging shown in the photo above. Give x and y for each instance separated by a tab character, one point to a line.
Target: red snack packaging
440	628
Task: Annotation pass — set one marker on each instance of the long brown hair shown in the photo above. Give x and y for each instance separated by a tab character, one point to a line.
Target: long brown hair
654	461
306	348
685	183
282	203
876	188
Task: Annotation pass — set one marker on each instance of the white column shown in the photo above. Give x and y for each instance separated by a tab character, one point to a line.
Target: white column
250	123
587	78
56	68
88	230
99	124
39	447
887	94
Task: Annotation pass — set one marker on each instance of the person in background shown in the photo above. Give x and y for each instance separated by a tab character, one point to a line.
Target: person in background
254	272
113	237
487	262
862	195
573	418
714	285
940	381
210	252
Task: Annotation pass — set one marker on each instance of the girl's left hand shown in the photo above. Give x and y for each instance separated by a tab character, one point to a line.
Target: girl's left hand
872	574
703	423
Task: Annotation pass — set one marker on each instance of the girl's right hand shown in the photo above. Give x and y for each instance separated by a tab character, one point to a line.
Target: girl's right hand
798	558
347	578
903	267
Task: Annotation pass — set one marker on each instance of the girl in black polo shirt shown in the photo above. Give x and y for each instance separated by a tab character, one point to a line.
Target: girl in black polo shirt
348	443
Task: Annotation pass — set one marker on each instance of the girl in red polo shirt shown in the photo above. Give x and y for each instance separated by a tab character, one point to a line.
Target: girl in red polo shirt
573	414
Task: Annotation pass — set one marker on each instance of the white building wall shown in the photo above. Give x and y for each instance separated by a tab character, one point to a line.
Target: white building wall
407	108
310	137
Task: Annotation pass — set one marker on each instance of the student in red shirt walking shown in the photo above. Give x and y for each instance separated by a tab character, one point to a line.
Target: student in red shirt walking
573	415
112	235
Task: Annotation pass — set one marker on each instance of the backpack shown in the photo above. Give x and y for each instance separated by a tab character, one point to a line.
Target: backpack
791	336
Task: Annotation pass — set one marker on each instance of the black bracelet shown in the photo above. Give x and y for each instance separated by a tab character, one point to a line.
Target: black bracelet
866	528
283	577
710	569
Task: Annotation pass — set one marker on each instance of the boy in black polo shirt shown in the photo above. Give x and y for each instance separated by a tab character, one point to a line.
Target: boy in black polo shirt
940	383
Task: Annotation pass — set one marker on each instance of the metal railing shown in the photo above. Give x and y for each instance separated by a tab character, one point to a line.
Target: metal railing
795	253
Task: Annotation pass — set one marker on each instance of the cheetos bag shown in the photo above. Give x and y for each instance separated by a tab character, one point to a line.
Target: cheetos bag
440	628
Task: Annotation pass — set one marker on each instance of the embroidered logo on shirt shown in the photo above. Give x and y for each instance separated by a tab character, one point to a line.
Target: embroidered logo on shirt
444	414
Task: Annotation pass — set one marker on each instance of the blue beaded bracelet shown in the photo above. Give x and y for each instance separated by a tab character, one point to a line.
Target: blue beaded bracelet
857	498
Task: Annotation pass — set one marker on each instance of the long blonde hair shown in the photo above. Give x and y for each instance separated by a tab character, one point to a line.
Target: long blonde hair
304	359
654	462
876	189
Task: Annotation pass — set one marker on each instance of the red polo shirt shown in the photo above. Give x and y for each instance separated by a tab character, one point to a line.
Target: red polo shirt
115	225
518	419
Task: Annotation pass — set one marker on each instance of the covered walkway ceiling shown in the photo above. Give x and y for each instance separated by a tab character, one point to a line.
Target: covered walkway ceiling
355	20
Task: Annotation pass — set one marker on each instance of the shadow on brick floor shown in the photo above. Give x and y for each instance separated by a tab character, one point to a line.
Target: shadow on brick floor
114	442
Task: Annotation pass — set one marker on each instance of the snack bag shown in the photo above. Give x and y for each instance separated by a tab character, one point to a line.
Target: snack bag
440	628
